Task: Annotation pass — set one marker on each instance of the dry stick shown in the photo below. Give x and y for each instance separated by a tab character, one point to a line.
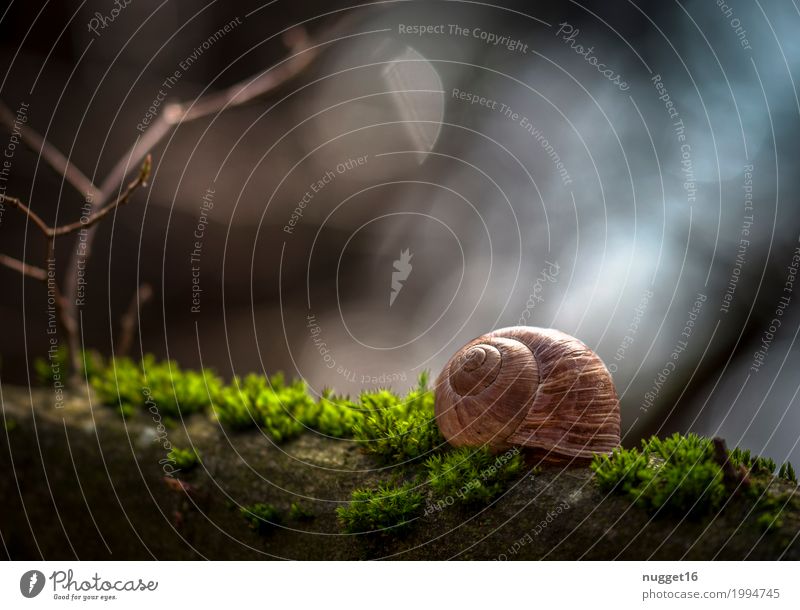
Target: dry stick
128	321
92	219
95	217
50	154
68	323
36	273
301	56
33	216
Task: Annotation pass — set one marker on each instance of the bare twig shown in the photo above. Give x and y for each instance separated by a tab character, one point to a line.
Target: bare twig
64	312
93	219
36	273
33	216
302	54
128	322
50	154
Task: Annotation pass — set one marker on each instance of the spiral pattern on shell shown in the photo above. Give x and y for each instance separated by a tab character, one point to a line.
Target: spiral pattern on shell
530	387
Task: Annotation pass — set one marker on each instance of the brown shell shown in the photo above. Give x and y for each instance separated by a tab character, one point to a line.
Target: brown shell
529	387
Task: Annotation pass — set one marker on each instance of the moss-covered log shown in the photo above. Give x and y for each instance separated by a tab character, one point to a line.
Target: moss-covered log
81	481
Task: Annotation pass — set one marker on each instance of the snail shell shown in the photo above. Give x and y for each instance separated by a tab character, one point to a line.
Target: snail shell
529	387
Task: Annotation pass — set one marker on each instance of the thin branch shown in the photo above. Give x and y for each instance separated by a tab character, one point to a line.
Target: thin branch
33	216
64	309
36	273
301	56
51	154
128	321
93	219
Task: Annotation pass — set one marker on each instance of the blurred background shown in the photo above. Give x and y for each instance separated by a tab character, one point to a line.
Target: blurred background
625	173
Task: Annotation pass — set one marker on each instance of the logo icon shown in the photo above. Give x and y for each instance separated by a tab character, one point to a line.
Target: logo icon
31	583
402	270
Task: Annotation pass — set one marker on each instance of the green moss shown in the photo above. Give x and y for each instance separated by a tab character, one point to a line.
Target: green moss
472	475
271	404
681	475
677	474
162	387
261	517
399	429
787	472
387	507
178	392
770	508
333	415
298	512
394	427
769	521
56	365
119	383
754	463
183	459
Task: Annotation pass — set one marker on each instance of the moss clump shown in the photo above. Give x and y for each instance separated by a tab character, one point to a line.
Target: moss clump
178	392
272	404
46	369
261	517
183	459
676	474
787	472
119	383
472	475
386	507
768	521
399	429
162	387
771	510
283	410
682	475
333	415
55	366
394	427
754	463
298	512
465	475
